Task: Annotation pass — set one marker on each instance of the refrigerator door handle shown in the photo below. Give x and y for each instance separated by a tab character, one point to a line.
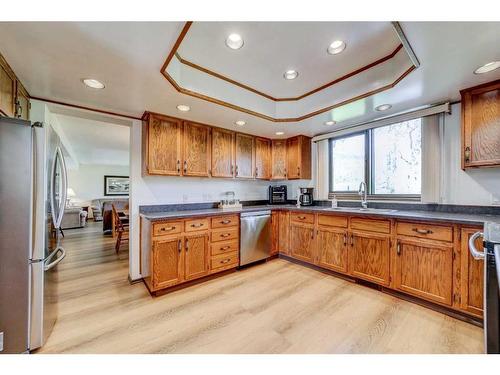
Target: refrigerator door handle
64	183
55	262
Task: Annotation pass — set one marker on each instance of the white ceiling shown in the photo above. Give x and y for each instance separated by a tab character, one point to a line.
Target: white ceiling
271	48
93	142
52	58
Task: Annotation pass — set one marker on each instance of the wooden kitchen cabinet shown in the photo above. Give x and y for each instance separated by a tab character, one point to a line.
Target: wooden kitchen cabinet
7	89
424	269
298	157
284	232
369	257
262	158
278	159
481	125
162	145
472	275
197	258
196	150
222	152
167	262
332	249
244	156
275	232
302	242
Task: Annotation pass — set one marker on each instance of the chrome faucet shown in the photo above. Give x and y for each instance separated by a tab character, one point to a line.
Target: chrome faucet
362	194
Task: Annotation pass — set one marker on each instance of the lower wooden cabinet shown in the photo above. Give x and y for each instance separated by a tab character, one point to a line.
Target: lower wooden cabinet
197	260
472	275
284	232
332	249
425	269
167	262
275	232
302	242
369	257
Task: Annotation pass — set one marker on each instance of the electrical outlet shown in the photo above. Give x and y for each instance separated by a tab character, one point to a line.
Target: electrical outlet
1	341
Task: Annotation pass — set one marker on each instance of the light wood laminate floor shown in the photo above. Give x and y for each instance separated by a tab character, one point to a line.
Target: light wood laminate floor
277	307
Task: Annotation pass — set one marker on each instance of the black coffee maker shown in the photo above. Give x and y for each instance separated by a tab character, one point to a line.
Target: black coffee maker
306	196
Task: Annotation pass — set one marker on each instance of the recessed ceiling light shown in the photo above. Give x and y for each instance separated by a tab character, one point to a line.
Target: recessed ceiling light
183	107
291	74
487	67
336	47
330	123
280	133
383	107
93	83
240	122
234	41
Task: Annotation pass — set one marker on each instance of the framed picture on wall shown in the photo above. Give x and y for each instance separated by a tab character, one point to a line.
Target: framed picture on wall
116	185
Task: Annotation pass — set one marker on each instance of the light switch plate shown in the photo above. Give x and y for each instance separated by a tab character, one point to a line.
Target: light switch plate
1	341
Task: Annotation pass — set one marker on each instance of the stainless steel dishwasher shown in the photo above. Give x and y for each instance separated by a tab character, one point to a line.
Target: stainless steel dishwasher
255	243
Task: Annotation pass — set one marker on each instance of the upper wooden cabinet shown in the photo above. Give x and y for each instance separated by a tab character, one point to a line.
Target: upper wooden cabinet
262	158
299	158
278	159
7	89
222	153
196	150
162	145
244	156
481	125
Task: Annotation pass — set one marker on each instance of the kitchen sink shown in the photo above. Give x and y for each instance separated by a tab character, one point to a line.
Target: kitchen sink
360	209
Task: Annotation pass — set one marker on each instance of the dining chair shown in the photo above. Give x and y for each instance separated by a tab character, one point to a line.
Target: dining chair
121	228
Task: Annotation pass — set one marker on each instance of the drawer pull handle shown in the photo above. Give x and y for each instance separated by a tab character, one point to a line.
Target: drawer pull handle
422	231
197	225
301	217
225	261
225	221
164	229
398	248
225	247
225	234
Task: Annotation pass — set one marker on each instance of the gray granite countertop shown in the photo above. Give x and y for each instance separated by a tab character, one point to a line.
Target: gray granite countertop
459	218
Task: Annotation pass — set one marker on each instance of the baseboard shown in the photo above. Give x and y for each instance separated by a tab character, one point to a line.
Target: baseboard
134	281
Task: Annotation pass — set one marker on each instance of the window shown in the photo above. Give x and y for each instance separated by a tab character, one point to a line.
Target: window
387	158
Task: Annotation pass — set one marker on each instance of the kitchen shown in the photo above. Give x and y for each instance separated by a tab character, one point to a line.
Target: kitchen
333	189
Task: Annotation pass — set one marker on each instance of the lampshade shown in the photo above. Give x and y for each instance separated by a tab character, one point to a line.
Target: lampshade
71	192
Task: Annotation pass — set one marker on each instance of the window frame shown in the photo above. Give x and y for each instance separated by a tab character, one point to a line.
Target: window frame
369	171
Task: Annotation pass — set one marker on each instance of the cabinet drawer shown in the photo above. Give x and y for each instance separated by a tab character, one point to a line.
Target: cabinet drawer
430	231
225	221
196	224
225	234
224	260
224	247
371	225
333	221
302	217
162	229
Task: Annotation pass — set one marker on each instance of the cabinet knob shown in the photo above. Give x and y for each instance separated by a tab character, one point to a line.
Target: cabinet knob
467	154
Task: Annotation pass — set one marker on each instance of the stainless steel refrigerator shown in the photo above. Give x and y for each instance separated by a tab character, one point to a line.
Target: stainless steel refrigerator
33	184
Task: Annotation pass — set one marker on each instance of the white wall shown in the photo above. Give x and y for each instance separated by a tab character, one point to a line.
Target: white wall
88	180
471	187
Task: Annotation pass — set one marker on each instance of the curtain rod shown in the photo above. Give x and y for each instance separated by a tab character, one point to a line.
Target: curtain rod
428	111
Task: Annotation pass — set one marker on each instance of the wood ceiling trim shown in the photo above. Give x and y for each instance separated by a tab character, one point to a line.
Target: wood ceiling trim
198	95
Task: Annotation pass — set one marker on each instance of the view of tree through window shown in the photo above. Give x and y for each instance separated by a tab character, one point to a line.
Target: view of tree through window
397	158
393	160
348	162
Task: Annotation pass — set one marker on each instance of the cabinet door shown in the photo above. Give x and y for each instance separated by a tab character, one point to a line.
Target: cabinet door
262	158
481	126
222	153
332	249
167	262
284	232
293	158
7	89
275	232
244	156
196	150
164	137
425	269
197	256
369	257
302	242
278	159
472	279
